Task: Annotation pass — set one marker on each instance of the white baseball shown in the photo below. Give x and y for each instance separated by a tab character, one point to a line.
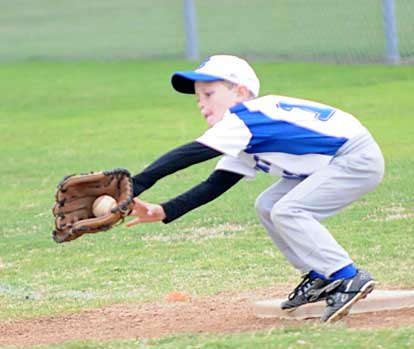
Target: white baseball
103	205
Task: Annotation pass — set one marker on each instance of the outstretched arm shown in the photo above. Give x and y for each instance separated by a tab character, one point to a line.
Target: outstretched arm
173	161
219	182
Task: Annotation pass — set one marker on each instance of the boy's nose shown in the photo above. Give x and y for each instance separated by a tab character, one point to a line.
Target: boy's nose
200	105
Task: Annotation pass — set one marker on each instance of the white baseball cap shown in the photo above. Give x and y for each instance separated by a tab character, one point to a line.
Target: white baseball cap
219	67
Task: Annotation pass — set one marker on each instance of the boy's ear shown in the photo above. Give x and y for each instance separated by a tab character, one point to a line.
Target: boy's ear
243	92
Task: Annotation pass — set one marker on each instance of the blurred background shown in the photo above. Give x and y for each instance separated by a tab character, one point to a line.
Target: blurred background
334	31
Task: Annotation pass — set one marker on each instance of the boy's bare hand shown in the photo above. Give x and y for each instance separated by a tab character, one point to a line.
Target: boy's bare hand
146	213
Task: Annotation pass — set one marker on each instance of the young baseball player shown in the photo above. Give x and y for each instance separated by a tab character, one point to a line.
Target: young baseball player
324	157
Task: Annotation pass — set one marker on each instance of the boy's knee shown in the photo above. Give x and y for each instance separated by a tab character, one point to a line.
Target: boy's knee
283	211
261	205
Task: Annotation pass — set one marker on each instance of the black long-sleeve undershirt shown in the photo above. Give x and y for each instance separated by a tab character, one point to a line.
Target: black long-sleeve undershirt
178	159
219	182
171	162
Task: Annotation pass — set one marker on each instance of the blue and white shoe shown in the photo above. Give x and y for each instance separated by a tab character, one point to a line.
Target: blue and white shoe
340	301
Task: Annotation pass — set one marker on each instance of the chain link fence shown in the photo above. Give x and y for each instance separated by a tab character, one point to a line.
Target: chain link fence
336	31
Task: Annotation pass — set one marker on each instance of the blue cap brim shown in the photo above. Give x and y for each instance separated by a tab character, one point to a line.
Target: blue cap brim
183	81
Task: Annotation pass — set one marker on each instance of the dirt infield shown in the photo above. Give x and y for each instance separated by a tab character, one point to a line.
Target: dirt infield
222	313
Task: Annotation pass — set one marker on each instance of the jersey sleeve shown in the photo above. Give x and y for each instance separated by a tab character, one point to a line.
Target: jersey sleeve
237	165
229	136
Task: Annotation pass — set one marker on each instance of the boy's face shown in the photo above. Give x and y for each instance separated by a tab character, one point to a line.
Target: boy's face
215	97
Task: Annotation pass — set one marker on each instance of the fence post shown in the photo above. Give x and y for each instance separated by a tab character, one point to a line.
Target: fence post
191	30
391	32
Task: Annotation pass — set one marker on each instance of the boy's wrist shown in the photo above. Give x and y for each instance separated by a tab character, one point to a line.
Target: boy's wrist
168	212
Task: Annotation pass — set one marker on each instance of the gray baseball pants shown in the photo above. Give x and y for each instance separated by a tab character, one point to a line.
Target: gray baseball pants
291	210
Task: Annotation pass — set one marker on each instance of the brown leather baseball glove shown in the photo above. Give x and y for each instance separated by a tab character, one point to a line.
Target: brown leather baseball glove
74	198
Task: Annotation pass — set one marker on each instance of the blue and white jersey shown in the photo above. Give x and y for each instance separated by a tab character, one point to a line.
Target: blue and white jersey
280	135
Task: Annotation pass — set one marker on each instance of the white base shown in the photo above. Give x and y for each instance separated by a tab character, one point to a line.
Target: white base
376	301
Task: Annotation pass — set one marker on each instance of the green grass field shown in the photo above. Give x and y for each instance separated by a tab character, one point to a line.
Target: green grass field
62	118
301	30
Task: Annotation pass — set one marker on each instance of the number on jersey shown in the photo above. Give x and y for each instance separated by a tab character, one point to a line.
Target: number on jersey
321	113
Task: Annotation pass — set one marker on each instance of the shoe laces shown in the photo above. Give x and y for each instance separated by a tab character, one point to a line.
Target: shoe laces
313	294
303	286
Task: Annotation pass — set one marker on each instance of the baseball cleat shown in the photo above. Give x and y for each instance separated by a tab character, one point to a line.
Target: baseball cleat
341	300
309	290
